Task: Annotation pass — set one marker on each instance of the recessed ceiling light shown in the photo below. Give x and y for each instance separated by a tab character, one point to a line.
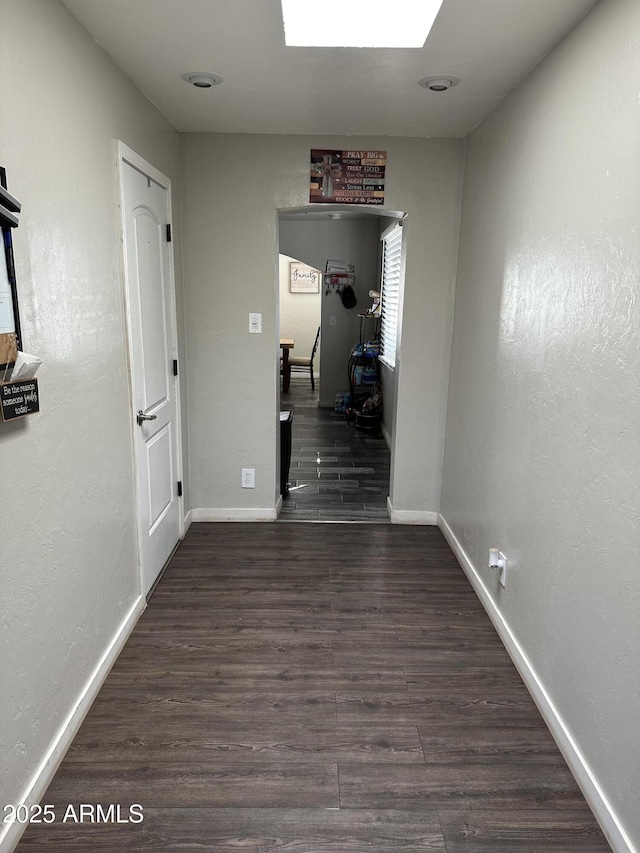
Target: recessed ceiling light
358	23
202	79
439	82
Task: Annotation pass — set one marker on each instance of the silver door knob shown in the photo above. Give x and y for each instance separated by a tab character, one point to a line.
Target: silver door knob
142	417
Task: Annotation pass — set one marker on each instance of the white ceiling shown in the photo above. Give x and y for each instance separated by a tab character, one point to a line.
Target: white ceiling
269	88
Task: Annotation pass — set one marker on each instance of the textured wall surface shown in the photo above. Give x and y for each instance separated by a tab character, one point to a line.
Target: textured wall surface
233	187
68	567
542	453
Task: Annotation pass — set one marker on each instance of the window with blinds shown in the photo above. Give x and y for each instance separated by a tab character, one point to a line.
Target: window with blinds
390	289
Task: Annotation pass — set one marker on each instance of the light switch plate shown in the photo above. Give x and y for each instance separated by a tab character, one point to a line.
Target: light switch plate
255	324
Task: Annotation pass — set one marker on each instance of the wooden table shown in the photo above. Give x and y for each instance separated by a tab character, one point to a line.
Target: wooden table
285	345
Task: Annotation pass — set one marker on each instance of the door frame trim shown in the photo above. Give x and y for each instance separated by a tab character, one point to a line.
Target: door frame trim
127	155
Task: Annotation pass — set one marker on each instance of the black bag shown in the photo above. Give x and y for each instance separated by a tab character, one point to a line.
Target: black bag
348	297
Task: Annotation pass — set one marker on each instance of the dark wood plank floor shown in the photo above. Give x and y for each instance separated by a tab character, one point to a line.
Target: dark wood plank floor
338	471
315	687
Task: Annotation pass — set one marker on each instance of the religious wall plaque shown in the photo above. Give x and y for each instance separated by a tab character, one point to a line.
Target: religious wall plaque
347	177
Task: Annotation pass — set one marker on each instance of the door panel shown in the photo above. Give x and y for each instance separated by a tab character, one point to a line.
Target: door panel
152	344
155	347
161	485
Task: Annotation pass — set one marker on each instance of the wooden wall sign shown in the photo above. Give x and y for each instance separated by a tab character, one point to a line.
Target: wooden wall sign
18	399
303	278
347	177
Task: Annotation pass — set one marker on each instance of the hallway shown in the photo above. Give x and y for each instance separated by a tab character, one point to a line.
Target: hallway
338	472
305	687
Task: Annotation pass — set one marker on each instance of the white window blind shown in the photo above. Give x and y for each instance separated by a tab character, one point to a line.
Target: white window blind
390	289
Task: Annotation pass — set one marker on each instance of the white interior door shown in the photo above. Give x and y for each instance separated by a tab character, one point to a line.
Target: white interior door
152	341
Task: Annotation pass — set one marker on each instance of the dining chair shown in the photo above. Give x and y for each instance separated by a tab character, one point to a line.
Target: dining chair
302	362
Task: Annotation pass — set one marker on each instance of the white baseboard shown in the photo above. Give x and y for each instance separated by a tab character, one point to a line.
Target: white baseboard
250	514
409	516
187	521
46	770
586	779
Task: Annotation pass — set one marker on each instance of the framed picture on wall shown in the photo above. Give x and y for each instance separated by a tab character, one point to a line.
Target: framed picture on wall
303	278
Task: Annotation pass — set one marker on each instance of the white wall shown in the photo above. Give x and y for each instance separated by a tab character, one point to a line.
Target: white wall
542	452
299	313
234	185
69	566
356	242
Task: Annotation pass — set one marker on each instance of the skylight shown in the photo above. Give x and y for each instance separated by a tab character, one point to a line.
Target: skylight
358	23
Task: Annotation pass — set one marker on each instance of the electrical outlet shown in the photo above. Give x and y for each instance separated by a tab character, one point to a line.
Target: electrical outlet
503	571
498	560
255	324
248	478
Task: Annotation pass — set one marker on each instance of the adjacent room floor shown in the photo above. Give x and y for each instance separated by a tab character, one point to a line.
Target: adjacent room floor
315	687
338	471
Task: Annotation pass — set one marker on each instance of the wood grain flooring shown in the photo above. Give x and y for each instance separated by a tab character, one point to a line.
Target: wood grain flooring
338	471
316	687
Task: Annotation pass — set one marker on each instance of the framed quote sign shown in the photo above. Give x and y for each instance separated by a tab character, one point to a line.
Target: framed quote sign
303	278
347	177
